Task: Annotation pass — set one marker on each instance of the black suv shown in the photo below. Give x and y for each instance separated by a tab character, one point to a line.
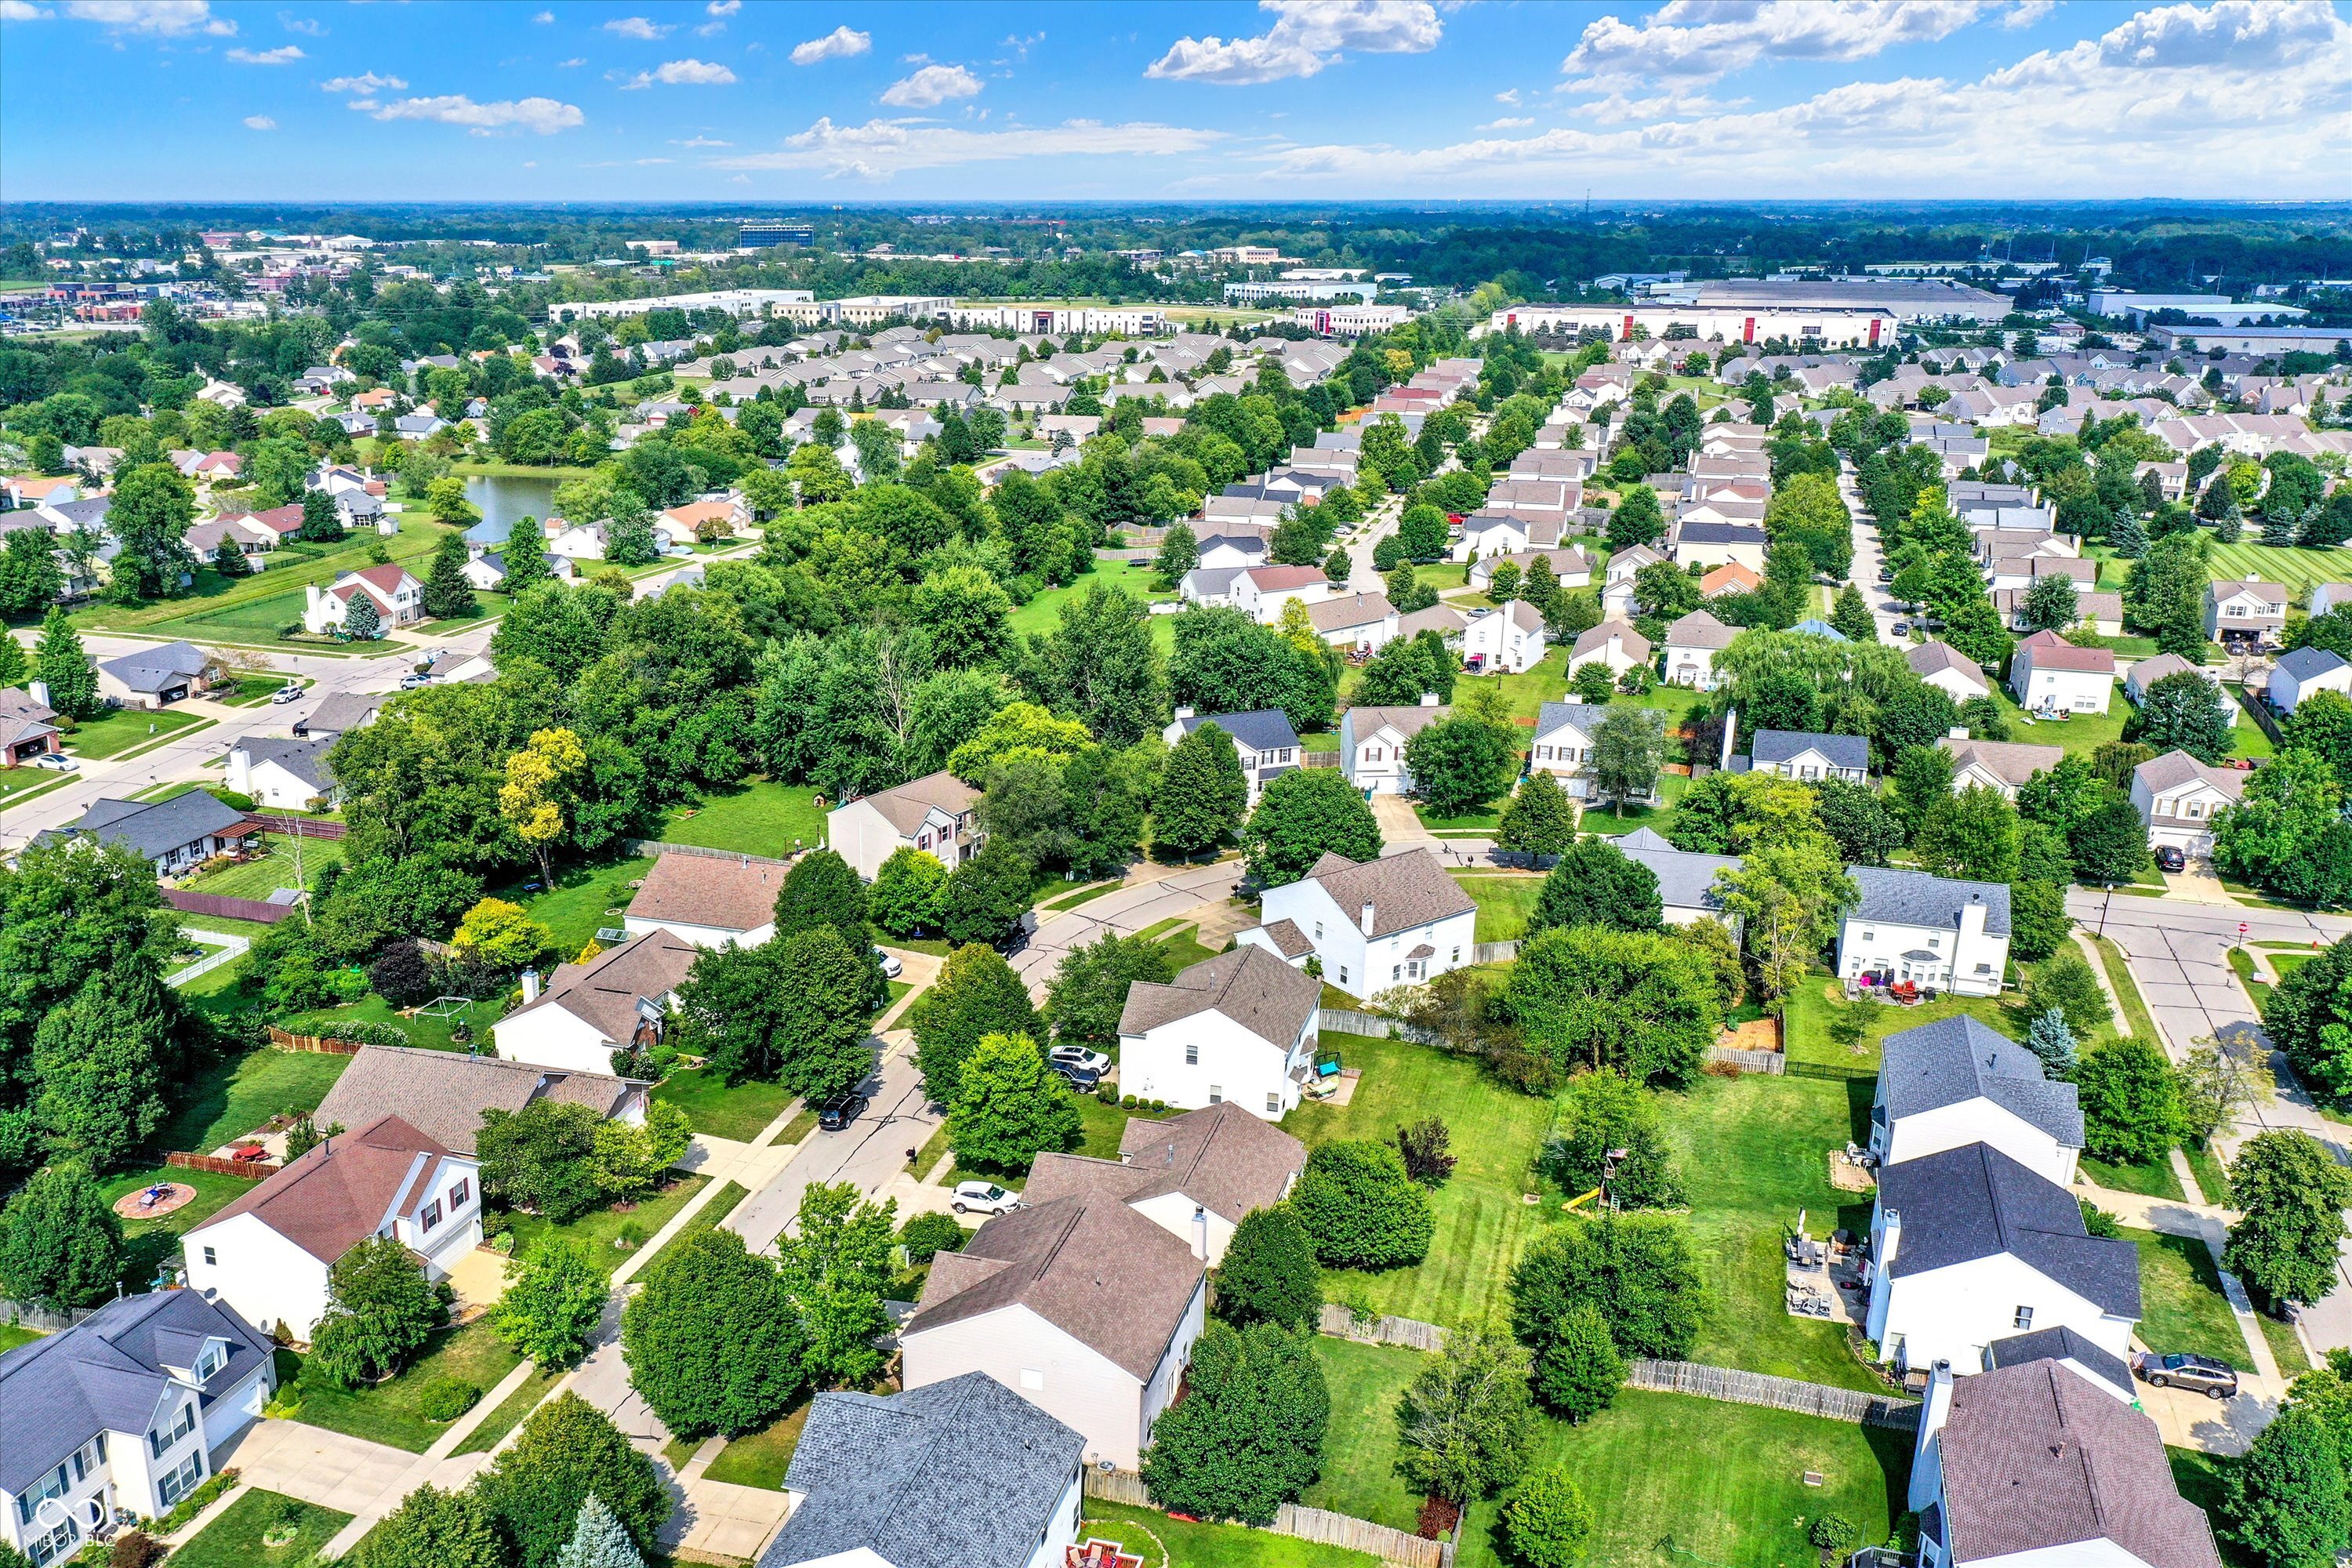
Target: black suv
2169	857
2214	1379
839	1113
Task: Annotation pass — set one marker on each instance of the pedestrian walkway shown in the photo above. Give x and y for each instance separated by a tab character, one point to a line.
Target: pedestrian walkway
719	1519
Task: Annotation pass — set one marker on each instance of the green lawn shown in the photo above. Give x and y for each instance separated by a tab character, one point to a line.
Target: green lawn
1752	1151
599	1228
719	1112
2211	1180
2136	1020
760	818
1183	947
1043	613
760	1459
511	1411
1504	904
1819	999
2242	966
1360	1460
2181	1304
241	1536
273	868
253	690
1177	1544
388	1412
2153	1180
229	1098
2286	963
584	900
149	1243
2285	1349
1483	1218
15	1334
437	1034
2294	569
1608	823
121	729
254	608
1724	1484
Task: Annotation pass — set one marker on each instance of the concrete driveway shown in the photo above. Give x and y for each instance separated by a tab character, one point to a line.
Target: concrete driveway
327	1469
1155	893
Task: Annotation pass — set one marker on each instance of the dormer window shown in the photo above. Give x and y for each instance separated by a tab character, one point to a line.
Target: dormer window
211	1361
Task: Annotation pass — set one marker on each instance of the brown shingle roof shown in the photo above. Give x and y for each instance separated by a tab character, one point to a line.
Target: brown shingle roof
2048	650
604	992
1220	1156
1405	891
1699	629
443	1094
2035	1458
702	891
1355	610
2011	762
1275	579
334	1198
1249	985
905	807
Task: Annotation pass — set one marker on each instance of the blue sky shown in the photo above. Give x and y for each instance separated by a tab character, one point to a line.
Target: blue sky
814	102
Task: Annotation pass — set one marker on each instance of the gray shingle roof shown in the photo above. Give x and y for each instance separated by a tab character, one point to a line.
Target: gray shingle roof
1583	717
1972	1202
1357	725
153	828
306	759
2303	663
1718	533
1405	891
960	1474
1260	729
2064	1344
1915	897
1956	1059
154	668
1785	746
1699	629
1685	880
341	710
106	1374
2035	1458
443	1094
2175	768
1249	985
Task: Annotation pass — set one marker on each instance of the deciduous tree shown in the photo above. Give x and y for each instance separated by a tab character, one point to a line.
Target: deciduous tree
1248	1436
60	1243
1301	816
976	994
1269	1273
1466	1422
1597	884
380	1313
1008	1108
567	1451
713	1342
1362	1207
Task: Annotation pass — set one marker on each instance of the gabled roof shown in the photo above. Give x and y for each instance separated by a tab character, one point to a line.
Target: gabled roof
1259	730
2048	650
1249	985
336	1195
1220	1156
1584	717
341	710
153	828
1686	878
2306	663
959	1474
1357	725
706	890
1405	891
1699	629
604	992
2035	1461
1956	1059
158	668
1961	1204
1786	745
1719	533
443	1094
2176	768
1355	610
1635	645
306	759
1276	579
1916	898
2064	1344
2011	762
905	807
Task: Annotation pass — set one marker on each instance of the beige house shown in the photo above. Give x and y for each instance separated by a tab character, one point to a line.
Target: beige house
1195	1175
1691	643
2178	797
935	814
2001	765
615	1002
1612	645
2244	611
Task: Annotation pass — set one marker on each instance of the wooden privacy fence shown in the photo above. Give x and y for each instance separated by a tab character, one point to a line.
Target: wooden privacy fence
1735	1387
1341	1324
1305	1523
1345	1021
2262	714
296	826
318	1045
228	909
249	1170
1748	1061
657	847
1493	952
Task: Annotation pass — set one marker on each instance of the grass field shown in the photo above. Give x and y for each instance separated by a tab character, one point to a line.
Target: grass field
1504	904
1043	613
1752	1151
1360	1460
1163	1541
760	818
579	904
232	1097
15	1334
2181	1304
599	1227
760	1459
1723	1483
241	1536
717	1111
1482	1219
2242	966
1817	1000
2153	1180
2136	1022
253	609
511	1411
388	1412
119	730
434	1033
273	868
2294	568
147	1243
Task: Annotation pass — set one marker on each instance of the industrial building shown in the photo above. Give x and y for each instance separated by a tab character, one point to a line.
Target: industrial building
1811	327
2254	339
740	302
2127	304
1906	299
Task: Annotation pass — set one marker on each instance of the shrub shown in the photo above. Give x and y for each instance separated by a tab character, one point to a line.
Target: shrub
1363	1208
446	1398
1427	1149
134	1549
1549	1520
927	1236
630	1236
1834	1533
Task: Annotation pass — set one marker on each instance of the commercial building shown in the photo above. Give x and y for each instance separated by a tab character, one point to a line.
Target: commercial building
762	234
2126	304
1814	327
740	302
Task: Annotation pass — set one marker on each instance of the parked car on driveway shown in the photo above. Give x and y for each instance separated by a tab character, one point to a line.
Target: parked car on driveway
1082	1080
1080	1056
2203	1374
891	967
2169	857
57	763
984	1197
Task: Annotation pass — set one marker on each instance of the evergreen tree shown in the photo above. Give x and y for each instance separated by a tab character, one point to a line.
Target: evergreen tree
229	559
567	1450
600	1541
524	557
2049	1038
2126	535
1202	796
1852	617
102	1062
2279	526
60	663
361	621
1269	1274
448	596
15	664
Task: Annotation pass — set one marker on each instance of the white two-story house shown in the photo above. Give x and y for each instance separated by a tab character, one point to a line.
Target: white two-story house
619	1000
1263	738
122	1411
2049	674
1260	592
2249	613
1691	645
1239	1027
1612	645
267	1254
2302	672
1806	756
1955	1082
399	598
1934	932
1508	639
2177	797
1396	921
1563	745
938	814
1967	1246
1372	742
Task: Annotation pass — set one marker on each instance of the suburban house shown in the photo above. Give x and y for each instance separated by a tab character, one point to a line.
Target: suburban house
153	677
2327	596
2149	671
287	773
1969	1246
1195	1175
2064	1347
1720	544
2050	675
1083	1305
2002	765
1260	592
1687	891
1617	574
2244	612
1948	670
1237	1029
887	1481
1807	756
1932	932
1955	1082
267	1254
1692	643
1372	742
1569	568
1396	921
1729	578
1261	738
399	598
122	1411
1563	745
1614	645
1362	622
935	814
2302	672
615	1002
1509	639
340	711
443	1094
177	835
2092	1464
707	901
2178	797
27	727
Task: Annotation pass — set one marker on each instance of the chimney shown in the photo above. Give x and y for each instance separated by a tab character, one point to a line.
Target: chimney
239	777
1365	920
1730	732
1429	699
1972	927
530	987
1927	1458
1890	1238
1201	1233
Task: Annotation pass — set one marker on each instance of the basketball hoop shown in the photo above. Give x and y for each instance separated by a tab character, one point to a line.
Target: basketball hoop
50	1514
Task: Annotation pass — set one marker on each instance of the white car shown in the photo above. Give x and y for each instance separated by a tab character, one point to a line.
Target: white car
57	763
286	694
411	682
891	967
984	1197
1079	1056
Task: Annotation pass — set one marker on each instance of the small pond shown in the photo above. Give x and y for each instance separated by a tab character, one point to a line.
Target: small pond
502	500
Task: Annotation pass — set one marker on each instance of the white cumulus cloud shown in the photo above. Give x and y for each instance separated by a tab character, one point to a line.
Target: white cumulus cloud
724	8
880	148
259	123
543	116
681	73
364	84
1306	36
1698	40
21	10
165	19
286	55
931	85
838	45
1509	122
636	27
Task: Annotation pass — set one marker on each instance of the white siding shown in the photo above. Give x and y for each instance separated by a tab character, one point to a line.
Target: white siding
265	1277
549	1036
1207	1058
1952	1314
1069	1381
862	836
1977	1120
700	936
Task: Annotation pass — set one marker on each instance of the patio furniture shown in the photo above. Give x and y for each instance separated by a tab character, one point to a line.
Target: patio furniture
154	1194
248	1151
